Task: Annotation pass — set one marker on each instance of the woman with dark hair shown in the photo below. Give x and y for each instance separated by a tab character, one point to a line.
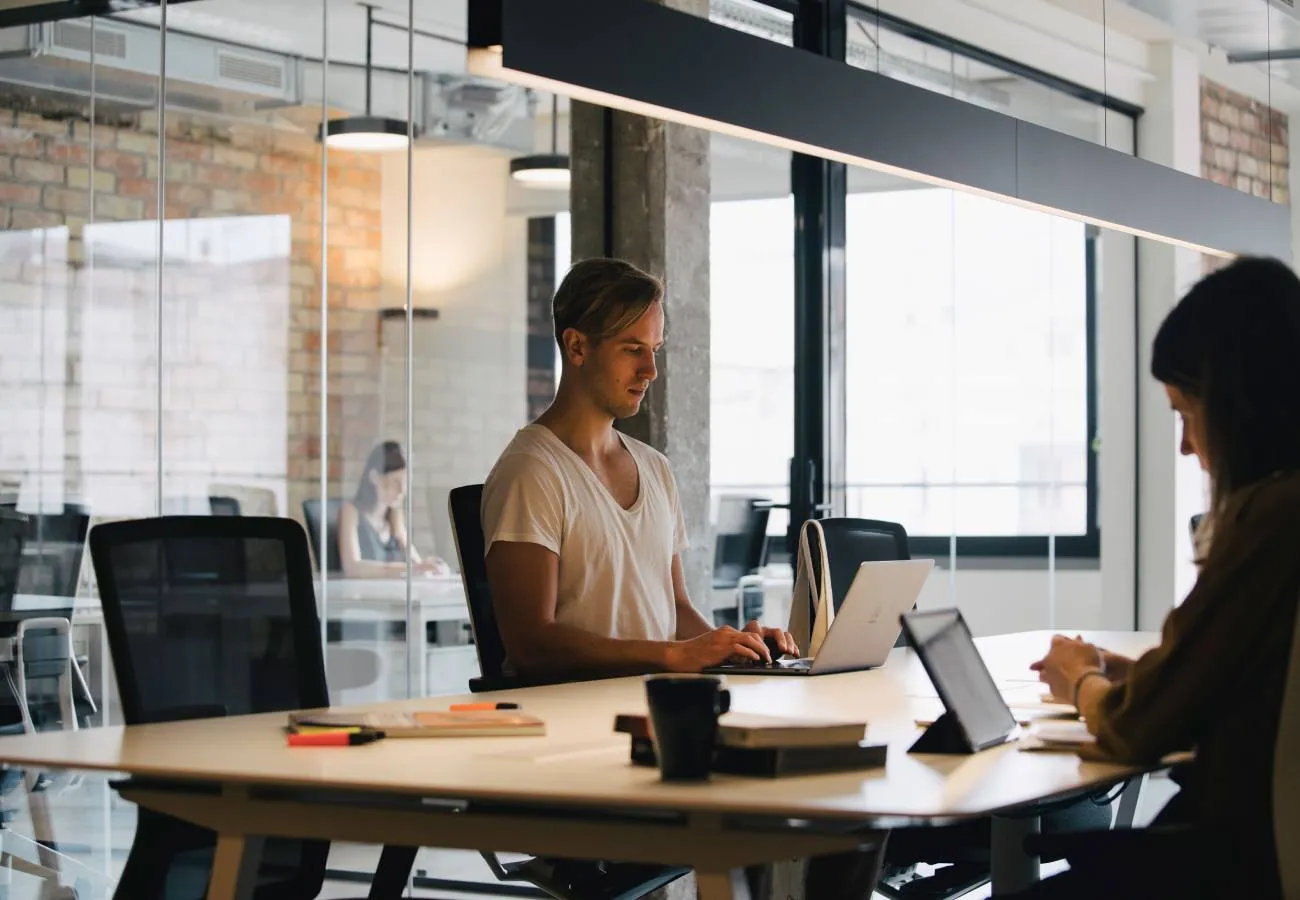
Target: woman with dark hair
372	530
1229	358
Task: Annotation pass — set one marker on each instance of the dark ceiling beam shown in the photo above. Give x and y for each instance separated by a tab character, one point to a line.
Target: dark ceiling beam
609	52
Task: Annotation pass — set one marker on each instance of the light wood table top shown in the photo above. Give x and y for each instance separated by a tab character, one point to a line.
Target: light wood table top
582	763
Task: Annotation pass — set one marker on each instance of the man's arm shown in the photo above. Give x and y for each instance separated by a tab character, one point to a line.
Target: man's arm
524	580
690	621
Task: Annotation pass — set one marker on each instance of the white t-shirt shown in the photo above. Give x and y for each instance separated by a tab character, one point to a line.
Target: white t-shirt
616	574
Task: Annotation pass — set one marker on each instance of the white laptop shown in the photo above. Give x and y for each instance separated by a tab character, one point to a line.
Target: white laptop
864	629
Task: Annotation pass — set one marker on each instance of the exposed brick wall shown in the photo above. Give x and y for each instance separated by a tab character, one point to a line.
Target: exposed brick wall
241	364
1244	143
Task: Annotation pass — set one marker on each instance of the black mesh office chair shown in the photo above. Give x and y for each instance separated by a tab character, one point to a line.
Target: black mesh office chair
965	847
564	879
464	505
311	513
739	551
215	616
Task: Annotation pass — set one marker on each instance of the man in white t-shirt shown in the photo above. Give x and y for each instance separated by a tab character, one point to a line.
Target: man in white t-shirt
583	526
584	530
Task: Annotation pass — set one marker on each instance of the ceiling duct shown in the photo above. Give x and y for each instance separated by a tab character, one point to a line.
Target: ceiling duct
203	75
465	109
207	77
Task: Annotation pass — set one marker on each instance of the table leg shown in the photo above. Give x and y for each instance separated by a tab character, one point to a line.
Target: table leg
234	868
730	885
1128	802
1013	869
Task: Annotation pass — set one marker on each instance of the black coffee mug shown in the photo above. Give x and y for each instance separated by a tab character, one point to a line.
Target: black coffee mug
684	712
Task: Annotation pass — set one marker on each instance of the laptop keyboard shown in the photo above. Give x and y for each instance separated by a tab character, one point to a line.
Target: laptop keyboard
775	664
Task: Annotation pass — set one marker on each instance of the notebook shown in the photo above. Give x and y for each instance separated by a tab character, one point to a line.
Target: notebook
753	731
427	723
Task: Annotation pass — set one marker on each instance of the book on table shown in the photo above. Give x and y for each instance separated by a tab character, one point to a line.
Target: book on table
756	731
425	723
771	746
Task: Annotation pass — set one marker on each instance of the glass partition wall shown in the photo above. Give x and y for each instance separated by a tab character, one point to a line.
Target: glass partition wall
207	310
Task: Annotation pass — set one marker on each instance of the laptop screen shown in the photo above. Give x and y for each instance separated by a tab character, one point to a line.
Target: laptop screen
948	652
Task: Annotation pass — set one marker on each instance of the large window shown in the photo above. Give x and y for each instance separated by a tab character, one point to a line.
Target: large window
752	357
968	370
969	362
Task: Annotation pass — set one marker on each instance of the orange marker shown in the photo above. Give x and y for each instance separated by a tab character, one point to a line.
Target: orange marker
334	738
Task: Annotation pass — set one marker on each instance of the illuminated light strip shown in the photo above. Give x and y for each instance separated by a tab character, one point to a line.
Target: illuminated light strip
680	68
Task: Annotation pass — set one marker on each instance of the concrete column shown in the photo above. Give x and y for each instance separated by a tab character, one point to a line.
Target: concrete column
641	193
1170	134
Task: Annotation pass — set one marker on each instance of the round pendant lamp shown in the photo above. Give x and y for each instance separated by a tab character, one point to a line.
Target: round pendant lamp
548	171
366	133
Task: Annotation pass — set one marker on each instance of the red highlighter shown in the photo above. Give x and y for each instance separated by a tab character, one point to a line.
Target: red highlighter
334	738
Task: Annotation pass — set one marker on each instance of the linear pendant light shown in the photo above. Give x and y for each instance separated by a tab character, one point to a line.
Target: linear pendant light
367	132
549	171
734	83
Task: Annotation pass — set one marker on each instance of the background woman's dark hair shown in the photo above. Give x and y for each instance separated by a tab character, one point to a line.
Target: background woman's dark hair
386	457
1233	343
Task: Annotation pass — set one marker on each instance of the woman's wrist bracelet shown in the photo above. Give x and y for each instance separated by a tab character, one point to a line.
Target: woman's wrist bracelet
1079	682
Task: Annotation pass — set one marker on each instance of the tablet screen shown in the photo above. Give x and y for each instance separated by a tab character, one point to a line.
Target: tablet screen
947	650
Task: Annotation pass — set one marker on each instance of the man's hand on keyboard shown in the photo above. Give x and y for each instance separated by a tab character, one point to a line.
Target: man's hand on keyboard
714	648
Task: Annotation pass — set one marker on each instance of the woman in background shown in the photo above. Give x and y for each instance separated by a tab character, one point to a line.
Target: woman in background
372	530
1229	358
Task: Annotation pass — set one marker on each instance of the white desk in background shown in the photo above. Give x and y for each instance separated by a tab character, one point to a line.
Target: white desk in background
777	585
573	792
433	599
437	598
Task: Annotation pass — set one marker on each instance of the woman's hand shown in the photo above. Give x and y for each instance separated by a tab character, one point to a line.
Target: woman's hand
1065	663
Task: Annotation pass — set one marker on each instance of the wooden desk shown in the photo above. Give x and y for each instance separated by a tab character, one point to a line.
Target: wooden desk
573	792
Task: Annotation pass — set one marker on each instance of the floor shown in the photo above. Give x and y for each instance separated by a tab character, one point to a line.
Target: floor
94	828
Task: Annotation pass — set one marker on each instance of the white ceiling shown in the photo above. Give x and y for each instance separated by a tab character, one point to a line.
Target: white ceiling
1231	25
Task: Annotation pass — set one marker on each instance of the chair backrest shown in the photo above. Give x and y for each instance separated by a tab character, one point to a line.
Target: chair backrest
1286	777
253	501
56	543
13	534
193	632
740	540
189	627
311	513
851	542
223	506
465	505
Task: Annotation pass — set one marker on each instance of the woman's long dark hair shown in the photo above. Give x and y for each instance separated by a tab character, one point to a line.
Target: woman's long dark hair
1233	343
386	457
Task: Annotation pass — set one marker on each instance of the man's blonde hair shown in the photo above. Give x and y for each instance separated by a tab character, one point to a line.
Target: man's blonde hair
600	297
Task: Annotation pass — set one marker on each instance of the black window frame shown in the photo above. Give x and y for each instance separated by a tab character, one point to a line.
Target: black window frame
819	307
